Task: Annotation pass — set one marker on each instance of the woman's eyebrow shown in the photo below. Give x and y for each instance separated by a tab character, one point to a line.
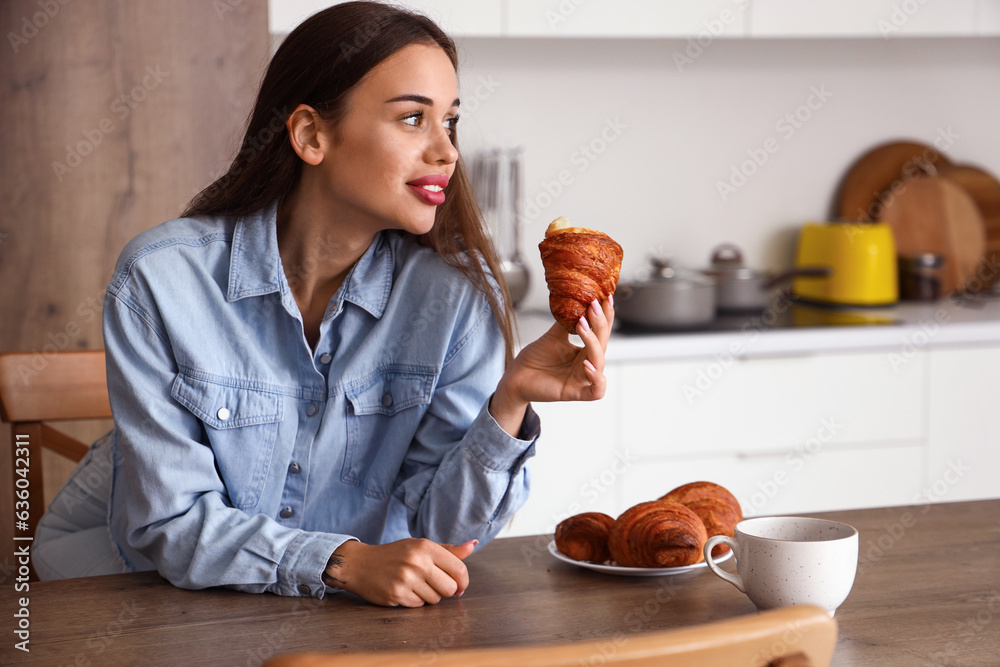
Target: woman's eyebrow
419	99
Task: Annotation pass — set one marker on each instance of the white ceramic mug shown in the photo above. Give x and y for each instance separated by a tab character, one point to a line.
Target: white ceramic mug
782	561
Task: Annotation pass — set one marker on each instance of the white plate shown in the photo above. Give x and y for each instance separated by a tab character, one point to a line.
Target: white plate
633	571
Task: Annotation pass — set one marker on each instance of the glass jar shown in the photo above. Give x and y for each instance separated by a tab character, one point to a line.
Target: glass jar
920	277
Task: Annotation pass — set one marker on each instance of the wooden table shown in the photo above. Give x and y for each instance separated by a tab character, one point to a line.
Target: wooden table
927	593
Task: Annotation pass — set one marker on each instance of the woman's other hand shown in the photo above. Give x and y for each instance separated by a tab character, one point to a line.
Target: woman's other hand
407	573
553	369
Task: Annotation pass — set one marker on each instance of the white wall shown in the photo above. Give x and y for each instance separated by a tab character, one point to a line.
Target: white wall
655	185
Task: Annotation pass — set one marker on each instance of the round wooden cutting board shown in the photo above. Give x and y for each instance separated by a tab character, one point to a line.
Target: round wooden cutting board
896	162
984	189
934	214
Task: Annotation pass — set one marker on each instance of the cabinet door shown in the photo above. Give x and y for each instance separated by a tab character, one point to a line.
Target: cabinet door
462	18
577	465
964	424
988	18
753	406
626	18
459	18
862	18
795	481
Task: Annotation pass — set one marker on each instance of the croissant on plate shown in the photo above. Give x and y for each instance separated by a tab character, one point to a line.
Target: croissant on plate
717	508
657	533
585	536
580	265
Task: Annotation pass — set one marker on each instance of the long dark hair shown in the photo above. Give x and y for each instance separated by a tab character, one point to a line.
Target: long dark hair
318	64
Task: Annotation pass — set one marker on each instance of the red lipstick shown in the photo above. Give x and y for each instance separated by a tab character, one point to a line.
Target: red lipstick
432	196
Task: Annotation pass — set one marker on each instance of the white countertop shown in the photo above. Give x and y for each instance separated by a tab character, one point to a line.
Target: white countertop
951	322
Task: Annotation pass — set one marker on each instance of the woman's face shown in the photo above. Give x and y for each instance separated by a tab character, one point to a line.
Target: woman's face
390	156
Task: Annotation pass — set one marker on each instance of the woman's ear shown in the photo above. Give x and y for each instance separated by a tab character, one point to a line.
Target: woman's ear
304	133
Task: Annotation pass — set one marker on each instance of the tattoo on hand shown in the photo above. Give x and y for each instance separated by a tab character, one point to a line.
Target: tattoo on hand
335	561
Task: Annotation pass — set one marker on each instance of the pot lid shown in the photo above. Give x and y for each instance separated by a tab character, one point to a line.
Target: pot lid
727	264
662	270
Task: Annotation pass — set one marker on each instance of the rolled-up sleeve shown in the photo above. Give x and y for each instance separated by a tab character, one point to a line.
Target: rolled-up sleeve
464	476
177	517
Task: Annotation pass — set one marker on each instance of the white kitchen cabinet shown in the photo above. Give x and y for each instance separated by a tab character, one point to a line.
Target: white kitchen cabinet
761	405
706	19
478	18
802	420
866	18
988	18
700	20
964	424
785	434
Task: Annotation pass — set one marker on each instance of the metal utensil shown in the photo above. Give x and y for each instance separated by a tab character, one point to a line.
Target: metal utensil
515	269
496	176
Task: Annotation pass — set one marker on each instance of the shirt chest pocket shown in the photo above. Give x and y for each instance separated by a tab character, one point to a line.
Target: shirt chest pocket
241	425
384	411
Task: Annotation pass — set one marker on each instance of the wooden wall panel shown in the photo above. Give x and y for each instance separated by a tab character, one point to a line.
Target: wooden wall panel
113	115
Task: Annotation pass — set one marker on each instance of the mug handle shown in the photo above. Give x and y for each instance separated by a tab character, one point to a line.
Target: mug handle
734	579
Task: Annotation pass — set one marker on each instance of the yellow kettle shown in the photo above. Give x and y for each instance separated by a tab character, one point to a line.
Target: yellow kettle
862	256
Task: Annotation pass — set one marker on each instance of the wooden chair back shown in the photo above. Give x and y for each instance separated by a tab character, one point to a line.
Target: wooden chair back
40	387
798	636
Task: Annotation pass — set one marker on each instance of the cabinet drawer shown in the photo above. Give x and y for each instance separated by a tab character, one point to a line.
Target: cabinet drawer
792	482
759	405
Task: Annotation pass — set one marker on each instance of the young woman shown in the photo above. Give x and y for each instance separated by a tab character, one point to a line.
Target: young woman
311	371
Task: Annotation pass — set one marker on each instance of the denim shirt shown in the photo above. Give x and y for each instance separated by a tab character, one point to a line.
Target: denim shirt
244	458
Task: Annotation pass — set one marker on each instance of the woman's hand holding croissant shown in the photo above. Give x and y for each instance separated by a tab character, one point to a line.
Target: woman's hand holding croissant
553	369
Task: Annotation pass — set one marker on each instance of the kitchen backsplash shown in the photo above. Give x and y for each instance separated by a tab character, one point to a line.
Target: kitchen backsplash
743	142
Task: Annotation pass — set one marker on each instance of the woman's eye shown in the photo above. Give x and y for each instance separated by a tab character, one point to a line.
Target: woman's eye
414	119
450	123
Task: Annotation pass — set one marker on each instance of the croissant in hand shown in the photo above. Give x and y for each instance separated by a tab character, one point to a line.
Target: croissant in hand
717	508
657	534
580	265
585	536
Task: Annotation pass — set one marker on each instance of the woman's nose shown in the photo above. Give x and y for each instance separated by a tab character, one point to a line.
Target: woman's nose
441	149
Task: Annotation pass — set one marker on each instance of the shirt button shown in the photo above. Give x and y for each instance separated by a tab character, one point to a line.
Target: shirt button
325	358
294	468
222	414
287	512
304	589
387	399
311	410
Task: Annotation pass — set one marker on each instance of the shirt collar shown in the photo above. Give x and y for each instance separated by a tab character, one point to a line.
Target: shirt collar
370	280
255	265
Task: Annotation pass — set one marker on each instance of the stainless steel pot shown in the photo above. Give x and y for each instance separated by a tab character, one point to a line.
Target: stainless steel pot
670	299
742	289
